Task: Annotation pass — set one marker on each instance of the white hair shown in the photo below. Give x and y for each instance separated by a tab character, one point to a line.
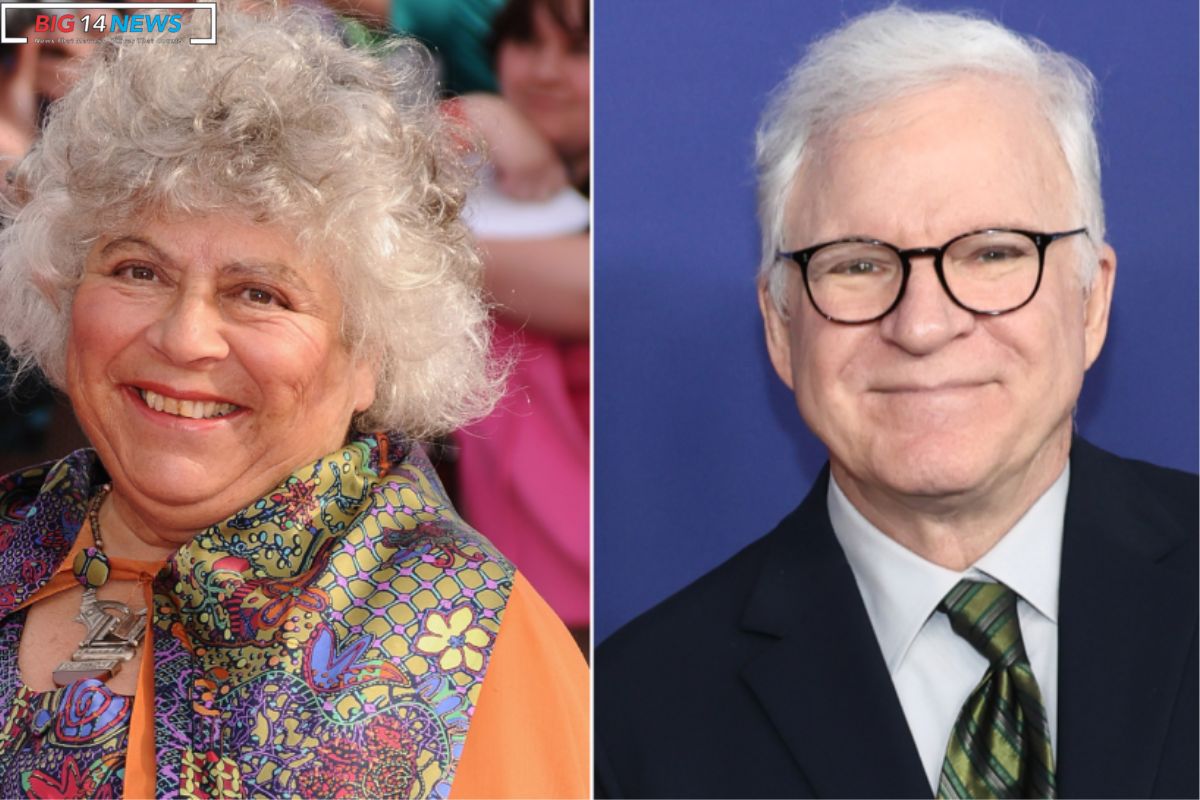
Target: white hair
894	52
282	123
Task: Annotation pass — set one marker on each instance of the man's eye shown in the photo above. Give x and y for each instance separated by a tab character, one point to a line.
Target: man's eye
995	255
992	255
857	268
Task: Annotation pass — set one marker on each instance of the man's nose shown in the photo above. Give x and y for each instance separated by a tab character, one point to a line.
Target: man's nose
190	330
926	318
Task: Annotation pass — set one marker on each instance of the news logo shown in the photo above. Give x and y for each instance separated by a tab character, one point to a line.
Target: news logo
133	23
95	20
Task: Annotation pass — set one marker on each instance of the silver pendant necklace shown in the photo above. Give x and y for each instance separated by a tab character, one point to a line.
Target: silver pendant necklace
114	631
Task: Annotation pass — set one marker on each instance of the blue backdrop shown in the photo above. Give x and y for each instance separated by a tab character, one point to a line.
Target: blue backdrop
698	446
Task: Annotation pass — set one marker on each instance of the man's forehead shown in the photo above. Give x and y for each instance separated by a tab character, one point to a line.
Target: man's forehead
984	92
973	150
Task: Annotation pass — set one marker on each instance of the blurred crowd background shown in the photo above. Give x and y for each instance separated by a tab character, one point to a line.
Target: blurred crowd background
516	74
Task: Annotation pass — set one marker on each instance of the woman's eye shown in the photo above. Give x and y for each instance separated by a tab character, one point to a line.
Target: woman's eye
137	272
261	297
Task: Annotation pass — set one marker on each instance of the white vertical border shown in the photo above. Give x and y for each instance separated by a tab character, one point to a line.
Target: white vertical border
592	400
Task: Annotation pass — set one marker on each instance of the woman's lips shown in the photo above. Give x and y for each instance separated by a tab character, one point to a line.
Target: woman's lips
192	409
185	405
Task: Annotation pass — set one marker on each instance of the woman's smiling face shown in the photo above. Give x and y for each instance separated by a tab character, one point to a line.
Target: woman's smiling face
205	363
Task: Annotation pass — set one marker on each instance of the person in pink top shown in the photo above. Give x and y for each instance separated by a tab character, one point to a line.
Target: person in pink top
523	471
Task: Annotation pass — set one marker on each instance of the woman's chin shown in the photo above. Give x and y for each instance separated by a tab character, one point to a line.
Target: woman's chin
188	493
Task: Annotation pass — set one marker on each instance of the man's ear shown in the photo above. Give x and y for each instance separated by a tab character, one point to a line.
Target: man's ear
778	334
1097	305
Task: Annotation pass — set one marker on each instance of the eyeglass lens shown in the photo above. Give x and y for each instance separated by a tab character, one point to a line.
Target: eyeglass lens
989	272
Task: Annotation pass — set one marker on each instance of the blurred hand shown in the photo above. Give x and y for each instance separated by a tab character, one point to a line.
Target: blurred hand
525	164
19	99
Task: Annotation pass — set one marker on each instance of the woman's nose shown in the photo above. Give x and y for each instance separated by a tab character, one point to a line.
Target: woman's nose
190	330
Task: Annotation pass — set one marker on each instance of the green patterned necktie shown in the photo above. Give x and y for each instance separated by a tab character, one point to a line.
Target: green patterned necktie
1000	745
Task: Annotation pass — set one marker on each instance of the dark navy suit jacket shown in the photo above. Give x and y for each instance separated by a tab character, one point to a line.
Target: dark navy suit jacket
764	677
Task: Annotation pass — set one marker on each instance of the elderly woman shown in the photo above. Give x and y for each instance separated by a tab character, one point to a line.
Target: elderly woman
239	261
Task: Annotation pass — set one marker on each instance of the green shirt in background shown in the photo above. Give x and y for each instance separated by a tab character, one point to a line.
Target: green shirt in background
457	32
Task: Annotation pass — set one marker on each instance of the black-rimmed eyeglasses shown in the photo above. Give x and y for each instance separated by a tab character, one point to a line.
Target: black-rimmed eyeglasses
993	271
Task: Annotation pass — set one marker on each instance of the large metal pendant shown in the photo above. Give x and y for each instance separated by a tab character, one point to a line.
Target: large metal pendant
113	635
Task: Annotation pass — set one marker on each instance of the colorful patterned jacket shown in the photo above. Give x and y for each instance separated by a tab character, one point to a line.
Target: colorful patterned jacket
331	639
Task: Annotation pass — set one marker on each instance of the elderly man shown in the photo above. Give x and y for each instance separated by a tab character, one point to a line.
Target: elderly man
971	601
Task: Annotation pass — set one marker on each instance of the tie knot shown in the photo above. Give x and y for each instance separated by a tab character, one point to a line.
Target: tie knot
985	614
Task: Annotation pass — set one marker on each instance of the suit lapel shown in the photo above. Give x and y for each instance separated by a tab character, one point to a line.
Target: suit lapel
823	682
1127	616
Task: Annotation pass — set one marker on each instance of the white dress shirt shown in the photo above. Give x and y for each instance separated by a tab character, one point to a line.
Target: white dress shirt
933	668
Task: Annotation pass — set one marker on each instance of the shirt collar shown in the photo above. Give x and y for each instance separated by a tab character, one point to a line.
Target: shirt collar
901	590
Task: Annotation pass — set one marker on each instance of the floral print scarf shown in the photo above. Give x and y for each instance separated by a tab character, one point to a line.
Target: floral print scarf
331	639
